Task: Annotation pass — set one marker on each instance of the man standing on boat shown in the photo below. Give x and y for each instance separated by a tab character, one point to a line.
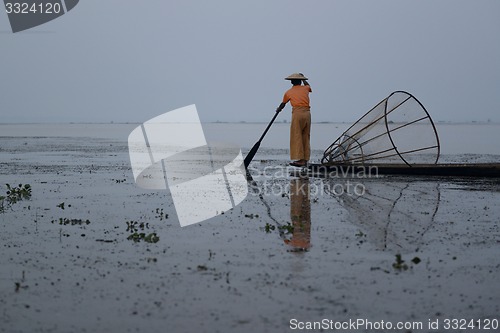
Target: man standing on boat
300	127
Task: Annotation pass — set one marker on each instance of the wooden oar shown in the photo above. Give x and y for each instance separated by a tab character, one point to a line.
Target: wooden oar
256	146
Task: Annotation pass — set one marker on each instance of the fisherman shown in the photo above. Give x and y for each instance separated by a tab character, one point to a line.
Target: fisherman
300	127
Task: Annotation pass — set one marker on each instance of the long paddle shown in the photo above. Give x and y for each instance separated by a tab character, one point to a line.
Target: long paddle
256	146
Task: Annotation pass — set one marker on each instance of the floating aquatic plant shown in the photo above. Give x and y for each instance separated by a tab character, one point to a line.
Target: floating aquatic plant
269	227
160	214
288	228
150	238
360	234
66	221
416	260
134	226
136	229
13	195
400	264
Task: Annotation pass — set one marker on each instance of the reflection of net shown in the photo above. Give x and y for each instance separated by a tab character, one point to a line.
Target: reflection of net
395	215
398	129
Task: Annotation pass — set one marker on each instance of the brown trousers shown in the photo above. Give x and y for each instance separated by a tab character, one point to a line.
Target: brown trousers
300	133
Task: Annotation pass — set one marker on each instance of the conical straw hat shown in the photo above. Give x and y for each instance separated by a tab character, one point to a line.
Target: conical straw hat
296	76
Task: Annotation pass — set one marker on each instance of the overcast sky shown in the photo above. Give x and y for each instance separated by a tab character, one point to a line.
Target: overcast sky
128	61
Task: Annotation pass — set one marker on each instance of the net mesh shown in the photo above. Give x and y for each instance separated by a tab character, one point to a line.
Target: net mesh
396	130
395	215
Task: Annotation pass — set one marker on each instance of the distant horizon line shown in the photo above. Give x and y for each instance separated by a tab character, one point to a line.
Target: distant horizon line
482	122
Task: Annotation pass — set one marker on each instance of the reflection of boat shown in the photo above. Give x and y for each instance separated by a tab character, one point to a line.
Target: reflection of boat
393	215
397	136
448	170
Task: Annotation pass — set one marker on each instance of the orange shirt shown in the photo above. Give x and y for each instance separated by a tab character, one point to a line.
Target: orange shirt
297	95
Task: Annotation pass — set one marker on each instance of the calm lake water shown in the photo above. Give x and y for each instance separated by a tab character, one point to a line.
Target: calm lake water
455	139
307	248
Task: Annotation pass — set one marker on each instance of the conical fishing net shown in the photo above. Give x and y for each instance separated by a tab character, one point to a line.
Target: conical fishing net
396	130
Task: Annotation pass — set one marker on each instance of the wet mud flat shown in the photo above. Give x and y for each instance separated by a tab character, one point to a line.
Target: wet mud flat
92	252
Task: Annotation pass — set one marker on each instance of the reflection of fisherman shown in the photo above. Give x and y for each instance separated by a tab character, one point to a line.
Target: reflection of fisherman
300	213
300	127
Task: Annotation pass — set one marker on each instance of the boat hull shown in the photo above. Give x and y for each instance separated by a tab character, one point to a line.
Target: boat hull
487	170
